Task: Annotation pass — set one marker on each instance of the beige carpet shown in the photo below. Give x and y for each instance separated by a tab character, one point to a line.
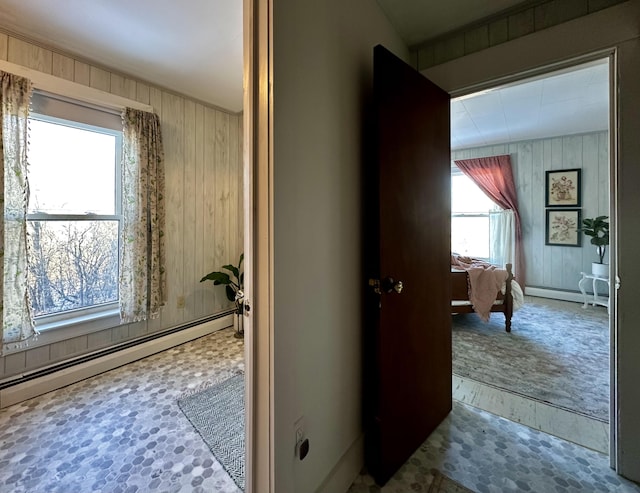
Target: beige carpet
557	352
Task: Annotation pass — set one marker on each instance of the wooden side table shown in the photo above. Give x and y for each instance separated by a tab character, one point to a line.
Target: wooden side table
596	300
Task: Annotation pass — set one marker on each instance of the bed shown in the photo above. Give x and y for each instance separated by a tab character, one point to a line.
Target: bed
460	302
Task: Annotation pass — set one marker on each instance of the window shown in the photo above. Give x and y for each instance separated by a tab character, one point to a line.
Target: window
470	217
74	213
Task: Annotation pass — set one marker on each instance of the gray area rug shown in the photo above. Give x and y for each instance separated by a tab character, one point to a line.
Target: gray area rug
217	414
557	352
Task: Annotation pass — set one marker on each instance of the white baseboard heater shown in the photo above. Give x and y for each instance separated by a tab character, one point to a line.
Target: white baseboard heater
38	382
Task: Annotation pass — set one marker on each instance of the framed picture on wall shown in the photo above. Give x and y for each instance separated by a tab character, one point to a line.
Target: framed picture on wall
562	225
563	188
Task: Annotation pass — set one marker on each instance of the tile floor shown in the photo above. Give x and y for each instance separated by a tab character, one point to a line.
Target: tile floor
120	431
123	432
489	454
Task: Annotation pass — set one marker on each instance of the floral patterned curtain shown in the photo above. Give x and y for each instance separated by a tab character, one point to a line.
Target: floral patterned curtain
142	268
17	324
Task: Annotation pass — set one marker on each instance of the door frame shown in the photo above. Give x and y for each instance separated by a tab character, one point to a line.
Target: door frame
542	72
258	243
611	27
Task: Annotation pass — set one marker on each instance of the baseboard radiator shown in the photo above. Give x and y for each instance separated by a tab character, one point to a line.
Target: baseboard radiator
41	381
558	294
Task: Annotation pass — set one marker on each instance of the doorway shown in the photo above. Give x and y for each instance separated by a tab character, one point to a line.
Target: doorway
552	125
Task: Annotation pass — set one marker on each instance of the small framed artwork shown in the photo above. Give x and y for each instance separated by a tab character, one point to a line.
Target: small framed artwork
562	225
563	188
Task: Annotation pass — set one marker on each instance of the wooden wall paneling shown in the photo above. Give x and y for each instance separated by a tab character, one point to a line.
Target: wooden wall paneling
234	233
120	333
29	55
589	194
209	200
81	73
190	278
138	329
100	79
15	363
37	356
173	138
62	66
604	187
201	268
4	46
533	254
221	166
548	148
555	257
142	93
122	86
100	339
241	184
70	347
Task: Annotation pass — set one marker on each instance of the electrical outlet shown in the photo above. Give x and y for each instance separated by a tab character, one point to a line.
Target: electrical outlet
180	302
298	428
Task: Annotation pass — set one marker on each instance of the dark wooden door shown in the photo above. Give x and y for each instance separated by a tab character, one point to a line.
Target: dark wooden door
407	334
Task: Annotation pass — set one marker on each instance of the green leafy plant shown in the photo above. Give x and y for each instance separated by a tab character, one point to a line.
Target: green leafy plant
233	282
598	229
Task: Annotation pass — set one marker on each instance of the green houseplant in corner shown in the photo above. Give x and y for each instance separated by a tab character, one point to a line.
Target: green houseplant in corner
598	229
234	289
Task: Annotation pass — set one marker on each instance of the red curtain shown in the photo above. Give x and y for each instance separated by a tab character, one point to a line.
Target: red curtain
495	178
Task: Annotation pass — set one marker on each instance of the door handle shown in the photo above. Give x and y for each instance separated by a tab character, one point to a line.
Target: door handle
388	285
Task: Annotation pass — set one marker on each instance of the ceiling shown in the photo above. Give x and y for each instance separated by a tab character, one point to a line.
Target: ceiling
568	102
194	47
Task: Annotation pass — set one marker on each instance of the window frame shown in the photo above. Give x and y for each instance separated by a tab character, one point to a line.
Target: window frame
102	315
455	172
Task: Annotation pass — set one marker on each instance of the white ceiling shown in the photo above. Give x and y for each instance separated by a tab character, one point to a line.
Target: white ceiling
194	47
562	103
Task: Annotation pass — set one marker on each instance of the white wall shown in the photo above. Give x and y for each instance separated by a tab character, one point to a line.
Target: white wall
323	53
616	27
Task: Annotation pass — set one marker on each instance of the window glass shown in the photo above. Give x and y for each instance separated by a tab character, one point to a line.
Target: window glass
71	170
469	217
74	264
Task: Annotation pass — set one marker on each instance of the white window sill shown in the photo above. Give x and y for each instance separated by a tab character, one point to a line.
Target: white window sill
60	330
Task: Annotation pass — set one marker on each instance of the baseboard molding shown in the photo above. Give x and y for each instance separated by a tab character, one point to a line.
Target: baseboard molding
555	294
56	380
346	470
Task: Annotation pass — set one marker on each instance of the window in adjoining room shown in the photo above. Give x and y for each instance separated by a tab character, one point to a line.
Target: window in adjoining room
74	213
470	217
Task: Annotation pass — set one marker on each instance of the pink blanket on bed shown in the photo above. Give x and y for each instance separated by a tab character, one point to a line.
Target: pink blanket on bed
485	281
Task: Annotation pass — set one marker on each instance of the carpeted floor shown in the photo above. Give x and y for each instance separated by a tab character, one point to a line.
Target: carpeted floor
557	352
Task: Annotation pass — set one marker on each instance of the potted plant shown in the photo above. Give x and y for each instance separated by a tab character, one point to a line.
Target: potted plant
234	286
598	229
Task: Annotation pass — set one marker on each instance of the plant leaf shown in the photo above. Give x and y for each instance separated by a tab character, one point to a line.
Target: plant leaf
231	294
217	278
232	268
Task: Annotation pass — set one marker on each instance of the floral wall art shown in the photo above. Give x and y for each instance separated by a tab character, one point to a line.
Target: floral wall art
562	225
563	188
